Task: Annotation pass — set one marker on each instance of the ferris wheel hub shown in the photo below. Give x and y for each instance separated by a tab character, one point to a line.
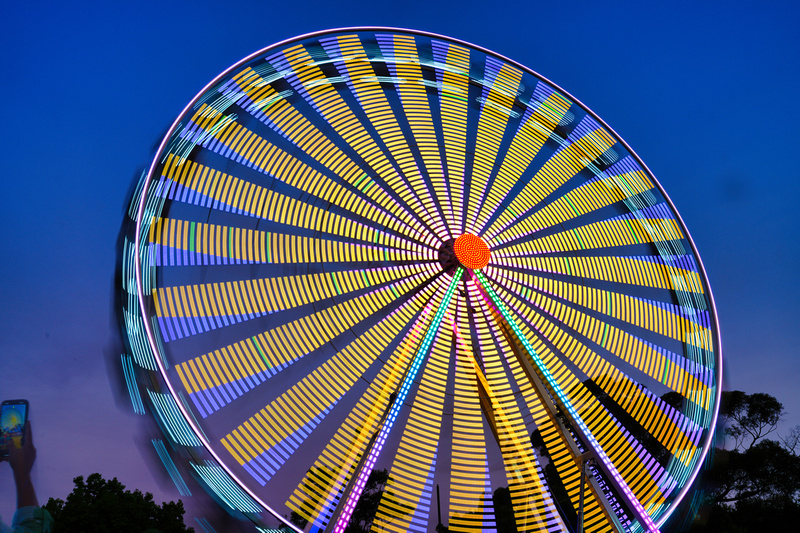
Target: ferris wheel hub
471	251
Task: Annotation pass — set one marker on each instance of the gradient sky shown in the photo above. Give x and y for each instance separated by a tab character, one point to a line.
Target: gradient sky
706	93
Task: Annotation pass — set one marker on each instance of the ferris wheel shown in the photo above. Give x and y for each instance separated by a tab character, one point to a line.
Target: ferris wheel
379	250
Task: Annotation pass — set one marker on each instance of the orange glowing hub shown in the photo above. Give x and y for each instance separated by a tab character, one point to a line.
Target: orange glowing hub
471	251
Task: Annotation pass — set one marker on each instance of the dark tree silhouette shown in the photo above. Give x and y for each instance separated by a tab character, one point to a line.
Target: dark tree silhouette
755	485
749	417
99	506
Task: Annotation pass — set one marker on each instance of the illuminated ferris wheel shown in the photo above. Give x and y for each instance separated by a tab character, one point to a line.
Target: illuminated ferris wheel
378	250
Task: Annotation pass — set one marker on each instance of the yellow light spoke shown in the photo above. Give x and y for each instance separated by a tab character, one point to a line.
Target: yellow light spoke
614	233
532	134
498	99
414	96
591	196
471	506
269	436
180	242
373	101
648	315
411	476
615	269
319	146
343	120
199	185
564	164
266	353
206	306
533	505
454	111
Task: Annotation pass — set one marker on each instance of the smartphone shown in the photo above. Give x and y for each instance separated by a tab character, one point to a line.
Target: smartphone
13	417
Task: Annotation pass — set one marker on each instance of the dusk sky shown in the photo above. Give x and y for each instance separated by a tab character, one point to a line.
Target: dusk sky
705	93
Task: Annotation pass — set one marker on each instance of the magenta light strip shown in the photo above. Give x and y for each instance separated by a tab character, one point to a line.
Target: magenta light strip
419	358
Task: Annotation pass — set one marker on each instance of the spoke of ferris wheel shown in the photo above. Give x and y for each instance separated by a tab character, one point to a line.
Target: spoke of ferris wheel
351	496
561	399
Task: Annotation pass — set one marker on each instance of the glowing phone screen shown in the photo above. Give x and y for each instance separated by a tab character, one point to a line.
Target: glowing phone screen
12	424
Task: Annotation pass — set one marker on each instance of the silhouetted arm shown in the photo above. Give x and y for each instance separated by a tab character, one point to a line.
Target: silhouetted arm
21	461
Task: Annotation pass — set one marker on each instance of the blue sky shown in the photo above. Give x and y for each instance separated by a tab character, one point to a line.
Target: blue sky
705	93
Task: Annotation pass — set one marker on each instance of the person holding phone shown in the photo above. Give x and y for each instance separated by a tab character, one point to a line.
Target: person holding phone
29	517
